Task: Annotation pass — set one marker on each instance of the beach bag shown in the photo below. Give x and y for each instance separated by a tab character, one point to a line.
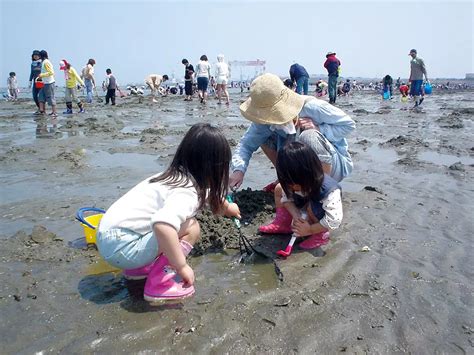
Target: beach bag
428	88
39	84
386	94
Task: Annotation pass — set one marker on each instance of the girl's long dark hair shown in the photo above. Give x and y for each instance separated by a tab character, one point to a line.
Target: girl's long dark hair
202	157
298	163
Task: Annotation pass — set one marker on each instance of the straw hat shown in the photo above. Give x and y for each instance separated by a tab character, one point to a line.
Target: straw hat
270	102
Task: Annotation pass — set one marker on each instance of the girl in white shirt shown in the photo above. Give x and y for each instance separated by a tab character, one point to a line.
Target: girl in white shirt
150	230
222	77
203	74
304	186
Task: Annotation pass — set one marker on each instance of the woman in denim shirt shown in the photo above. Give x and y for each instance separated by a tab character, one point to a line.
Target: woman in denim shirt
278	115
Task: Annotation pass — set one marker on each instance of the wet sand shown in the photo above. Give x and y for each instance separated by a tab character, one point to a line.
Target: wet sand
409	200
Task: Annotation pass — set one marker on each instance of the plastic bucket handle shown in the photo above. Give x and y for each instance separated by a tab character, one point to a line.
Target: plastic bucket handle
80	215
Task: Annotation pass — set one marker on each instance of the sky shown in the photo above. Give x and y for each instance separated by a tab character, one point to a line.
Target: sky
137	38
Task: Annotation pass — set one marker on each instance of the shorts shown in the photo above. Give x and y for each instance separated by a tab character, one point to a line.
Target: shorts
221	80
415	88
70	95
126	249
203	82
46	94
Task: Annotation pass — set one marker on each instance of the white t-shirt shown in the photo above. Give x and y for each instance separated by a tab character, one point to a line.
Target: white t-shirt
222	70
203	68
148	203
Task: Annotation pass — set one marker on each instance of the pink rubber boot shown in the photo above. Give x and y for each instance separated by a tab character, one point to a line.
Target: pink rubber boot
280	225
163	283
139	273
315	241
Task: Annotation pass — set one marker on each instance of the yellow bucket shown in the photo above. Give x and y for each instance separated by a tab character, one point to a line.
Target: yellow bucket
90	223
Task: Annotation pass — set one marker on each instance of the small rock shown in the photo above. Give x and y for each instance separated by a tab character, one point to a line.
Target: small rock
365	249
283	302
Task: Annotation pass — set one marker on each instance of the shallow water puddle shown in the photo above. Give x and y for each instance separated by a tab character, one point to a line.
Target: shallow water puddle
129	160
215	273
228	273
381	155
445	159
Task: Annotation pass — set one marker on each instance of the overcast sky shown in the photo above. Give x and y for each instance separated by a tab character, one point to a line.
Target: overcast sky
136	38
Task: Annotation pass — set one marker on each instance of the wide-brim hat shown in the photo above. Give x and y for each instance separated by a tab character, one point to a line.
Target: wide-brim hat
330	53
271	102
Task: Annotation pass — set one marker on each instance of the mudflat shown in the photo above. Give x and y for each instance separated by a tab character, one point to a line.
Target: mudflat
397	277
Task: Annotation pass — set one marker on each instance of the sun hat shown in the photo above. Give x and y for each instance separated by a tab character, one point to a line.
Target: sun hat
271	102
330	53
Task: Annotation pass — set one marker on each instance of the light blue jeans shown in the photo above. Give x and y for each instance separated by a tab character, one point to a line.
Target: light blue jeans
88	83
126	249
302	85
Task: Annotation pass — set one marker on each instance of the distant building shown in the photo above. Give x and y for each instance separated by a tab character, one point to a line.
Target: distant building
470	76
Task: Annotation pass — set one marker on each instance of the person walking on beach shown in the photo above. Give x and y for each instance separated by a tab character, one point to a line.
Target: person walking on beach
305	188
300	77
332	65
34	73
279	114
110	84
150	230
203	73
46	93
153	82
12	86
188	80
417	71
222	77
72	80
89	79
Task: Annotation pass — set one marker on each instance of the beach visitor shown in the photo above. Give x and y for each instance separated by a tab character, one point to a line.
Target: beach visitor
321	88
332	65
417	70
12	86
346	87
46	93
87	75
279	114
222	77
203	73
153	82
34	73
188	80
72	81
300	77
387	85
304	187
404	91
289	84
150	230
110	85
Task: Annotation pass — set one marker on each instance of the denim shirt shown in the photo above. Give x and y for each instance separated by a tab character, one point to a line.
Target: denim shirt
333	123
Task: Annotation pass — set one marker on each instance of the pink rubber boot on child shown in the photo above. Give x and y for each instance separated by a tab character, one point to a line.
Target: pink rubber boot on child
139	273
315	241
163	283
280	225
